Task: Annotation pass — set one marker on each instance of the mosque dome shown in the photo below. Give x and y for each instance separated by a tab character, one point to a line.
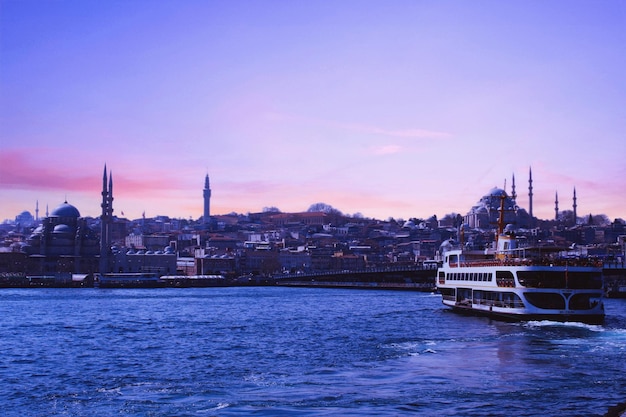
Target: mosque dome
496	192
65	210
62	228
447	245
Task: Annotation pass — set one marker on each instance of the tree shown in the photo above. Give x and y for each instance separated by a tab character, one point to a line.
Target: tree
432	221
271	210
601	220
323	208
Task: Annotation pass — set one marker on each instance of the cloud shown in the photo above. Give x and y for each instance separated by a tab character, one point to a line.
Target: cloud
410	133
386	150
399	133
25	169
58	169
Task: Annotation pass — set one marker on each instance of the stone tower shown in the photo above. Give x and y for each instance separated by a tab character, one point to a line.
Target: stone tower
556	205
574	207
513	195
106	220
206	193
530	192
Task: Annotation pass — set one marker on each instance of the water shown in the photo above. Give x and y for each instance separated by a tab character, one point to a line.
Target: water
295	352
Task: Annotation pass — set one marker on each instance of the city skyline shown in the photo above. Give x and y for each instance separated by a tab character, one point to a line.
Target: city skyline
400	109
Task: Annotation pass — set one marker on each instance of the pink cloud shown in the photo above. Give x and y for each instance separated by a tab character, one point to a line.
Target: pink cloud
410	133
21	169
401	133
386	150
51	169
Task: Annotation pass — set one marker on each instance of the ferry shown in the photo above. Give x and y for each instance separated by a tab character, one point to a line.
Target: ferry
128	280
518	283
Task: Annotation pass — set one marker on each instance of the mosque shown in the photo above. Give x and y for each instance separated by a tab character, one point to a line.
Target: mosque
485	213
63	242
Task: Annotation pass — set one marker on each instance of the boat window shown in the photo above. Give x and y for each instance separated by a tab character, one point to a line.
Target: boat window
583	301
546	300
448	293
560	279
464	295
498	299
505	279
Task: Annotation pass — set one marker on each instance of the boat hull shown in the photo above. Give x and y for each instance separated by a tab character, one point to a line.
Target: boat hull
588	318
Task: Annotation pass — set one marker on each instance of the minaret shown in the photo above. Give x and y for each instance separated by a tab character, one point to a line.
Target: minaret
513	195
556	205
574	206
530	193
105	221
37	212
110	198
206	193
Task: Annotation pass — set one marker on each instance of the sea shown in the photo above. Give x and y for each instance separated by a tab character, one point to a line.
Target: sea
276	351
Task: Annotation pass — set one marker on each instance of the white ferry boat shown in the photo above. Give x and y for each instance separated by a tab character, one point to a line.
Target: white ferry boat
521	283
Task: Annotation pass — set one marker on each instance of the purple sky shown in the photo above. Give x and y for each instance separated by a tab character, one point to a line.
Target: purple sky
388	108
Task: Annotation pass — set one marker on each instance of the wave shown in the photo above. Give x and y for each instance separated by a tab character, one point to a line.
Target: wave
568	324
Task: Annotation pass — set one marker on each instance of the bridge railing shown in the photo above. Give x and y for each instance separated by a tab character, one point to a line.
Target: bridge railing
403	268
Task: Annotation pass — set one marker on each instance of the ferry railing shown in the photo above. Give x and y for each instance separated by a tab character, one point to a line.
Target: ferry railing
595	263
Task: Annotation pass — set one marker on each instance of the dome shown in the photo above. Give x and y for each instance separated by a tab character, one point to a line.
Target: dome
65	210
496	192
447	245
62	228
509	229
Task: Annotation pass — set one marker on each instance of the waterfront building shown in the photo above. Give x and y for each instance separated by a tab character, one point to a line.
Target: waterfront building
159	262
63	242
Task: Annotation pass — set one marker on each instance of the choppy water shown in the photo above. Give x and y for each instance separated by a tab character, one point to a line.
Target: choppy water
287	351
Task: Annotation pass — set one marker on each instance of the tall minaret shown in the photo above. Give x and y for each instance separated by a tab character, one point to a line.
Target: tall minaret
206	193
574	206
530	192
513	195
556	205
110	197
106	219
37	212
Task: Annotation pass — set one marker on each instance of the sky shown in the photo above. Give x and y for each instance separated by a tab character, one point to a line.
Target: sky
385	108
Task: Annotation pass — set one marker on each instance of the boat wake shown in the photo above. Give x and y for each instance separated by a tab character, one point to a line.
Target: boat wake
566	324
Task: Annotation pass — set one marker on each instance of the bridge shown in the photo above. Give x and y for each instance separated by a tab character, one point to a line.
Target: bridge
416	278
